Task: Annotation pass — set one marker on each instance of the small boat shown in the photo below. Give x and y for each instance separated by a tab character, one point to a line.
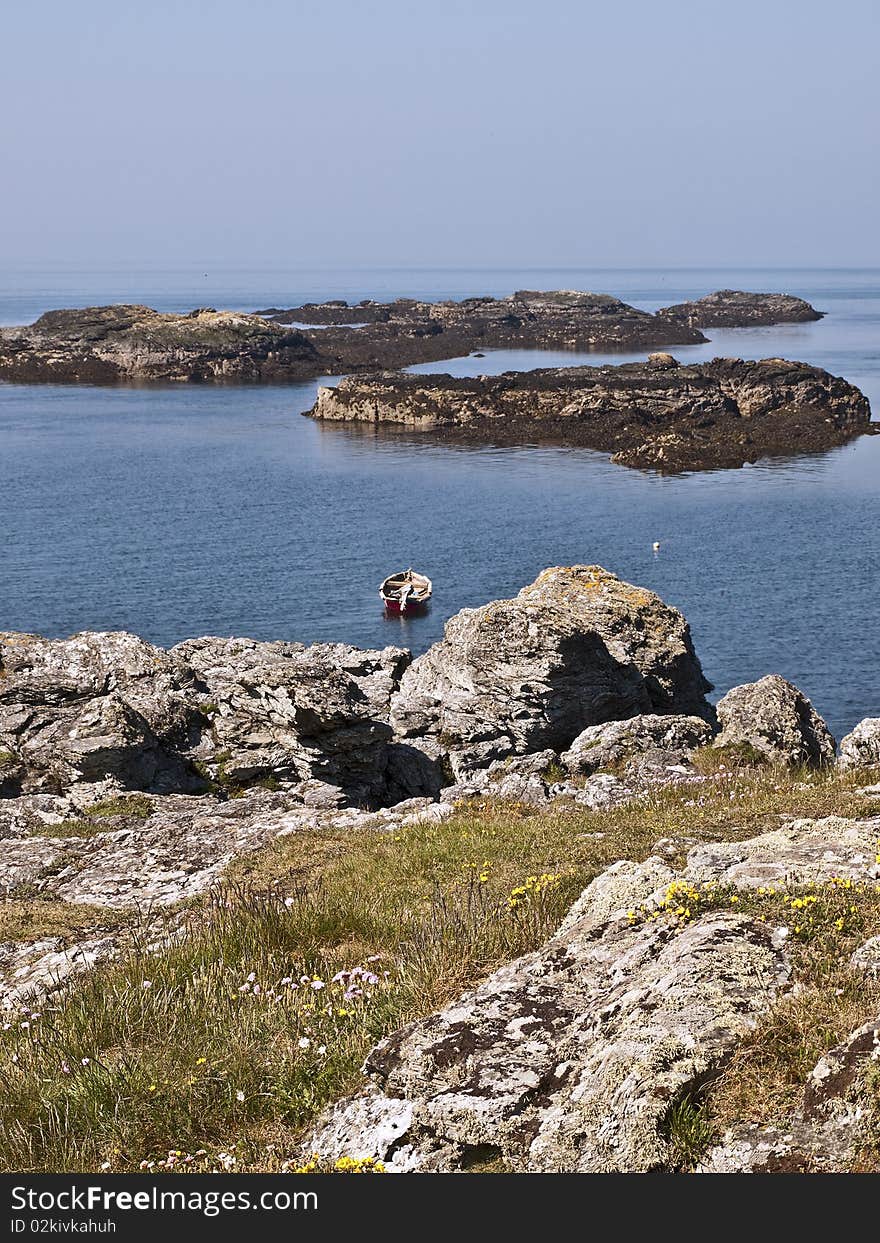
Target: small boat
406	592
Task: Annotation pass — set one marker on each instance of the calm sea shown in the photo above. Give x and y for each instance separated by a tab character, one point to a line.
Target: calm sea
179	511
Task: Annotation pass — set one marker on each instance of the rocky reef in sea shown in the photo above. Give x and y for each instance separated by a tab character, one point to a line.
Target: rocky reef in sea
123	343
108	344
732	308
658	414
132	777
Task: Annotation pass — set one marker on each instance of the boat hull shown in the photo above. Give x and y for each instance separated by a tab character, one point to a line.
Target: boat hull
411	606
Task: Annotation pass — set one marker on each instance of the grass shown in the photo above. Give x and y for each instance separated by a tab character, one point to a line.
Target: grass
216	1050
734	756
689	1132
40	918
765	1078
95	818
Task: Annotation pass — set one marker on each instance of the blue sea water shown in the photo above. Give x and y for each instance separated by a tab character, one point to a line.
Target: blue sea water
179	511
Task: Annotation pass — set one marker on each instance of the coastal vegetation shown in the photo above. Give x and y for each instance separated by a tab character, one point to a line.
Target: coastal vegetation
216	1047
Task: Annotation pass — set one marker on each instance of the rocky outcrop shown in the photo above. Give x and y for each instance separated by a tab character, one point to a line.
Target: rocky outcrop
397	334
774	719
861	748
98	715
656	414
91	716
616	743
733	308
569	1059
575	648
110	344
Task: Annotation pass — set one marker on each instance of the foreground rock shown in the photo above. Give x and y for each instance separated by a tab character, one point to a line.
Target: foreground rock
573	1058
732	308
569	1059
775	720
108	344
656	414
577	647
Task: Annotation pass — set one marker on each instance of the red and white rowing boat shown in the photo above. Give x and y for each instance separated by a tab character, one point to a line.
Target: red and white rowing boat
406	592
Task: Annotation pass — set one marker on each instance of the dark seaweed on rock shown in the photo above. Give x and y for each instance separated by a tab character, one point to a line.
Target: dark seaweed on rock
656	414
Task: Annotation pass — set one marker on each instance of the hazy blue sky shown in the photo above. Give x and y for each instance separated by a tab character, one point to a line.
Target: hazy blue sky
493	131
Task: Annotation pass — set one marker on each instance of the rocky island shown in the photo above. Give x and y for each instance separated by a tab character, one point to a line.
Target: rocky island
657	414
117	344
733	308
528	902
109	344
404	332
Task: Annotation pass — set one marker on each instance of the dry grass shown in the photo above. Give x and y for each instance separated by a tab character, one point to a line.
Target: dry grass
39	918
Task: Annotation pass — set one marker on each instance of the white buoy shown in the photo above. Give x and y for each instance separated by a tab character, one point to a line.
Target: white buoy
656	545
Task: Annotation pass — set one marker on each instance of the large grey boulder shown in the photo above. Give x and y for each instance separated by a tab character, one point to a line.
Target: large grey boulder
575	648
294	713
88	717
861	748
568	1059
774	718
616	742
97	709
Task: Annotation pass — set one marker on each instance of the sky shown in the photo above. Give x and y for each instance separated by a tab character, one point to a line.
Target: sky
441	133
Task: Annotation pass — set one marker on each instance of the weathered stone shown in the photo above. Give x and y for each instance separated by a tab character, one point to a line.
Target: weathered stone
702	416
621	887
733	308
801	852
92	716
30	860
33	814
575	648
601	792
866	957
177	852
615	742
861	748
31	969
568	1059
295	713
776	719
95	709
